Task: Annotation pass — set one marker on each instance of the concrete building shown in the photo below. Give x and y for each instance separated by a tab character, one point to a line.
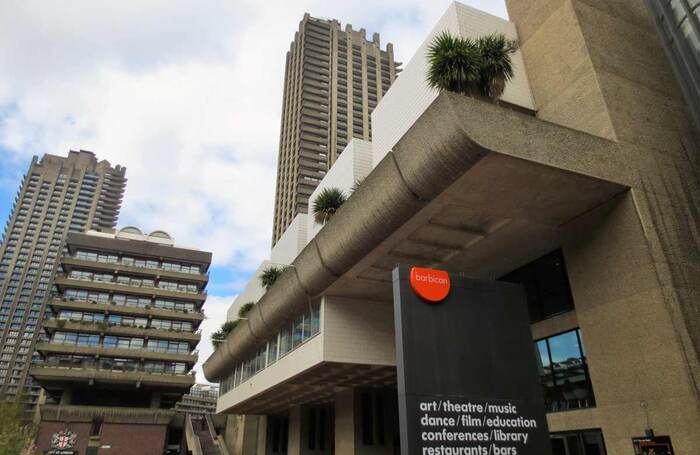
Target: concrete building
678	22
122	323
589	198
333	80
201	399
58	195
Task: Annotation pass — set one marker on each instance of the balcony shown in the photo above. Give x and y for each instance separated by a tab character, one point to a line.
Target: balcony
99	350
62	281
69	262
53	373
109	414
109	308
52	325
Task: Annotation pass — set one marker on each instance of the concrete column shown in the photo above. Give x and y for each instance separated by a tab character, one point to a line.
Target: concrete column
155	400
345	422
66	396
262	435
294	437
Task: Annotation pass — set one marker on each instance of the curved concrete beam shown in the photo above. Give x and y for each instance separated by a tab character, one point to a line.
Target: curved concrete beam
432	155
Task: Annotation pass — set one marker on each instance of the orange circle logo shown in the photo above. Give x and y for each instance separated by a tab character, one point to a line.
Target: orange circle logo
430	284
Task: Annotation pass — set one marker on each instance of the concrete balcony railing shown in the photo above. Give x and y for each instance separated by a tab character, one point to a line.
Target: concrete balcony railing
53	325
69	262
62	281
54	373
110	414
107	308
98	350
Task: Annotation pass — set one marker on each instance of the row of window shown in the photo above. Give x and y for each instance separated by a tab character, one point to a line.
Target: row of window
128	300
301	330
115	364
137	262
116	319
121	342
132	281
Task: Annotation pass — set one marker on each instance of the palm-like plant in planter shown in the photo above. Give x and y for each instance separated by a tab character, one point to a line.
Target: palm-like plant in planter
327	203
471	67
245	308
220	335
270	275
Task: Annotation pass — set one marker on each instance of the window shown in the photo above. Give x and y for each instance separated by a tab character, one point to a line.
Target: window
589	442
96	426
123	342
564	372
546	286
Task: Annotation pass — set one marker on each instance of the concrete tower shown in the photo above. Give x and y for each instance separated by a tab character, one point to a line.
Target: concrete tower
332	82
57	195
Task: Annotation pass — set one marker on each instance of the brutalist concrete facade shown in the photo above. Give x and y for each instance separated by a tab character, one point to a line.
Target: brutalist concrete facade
58	195
605	170
333	80
122	324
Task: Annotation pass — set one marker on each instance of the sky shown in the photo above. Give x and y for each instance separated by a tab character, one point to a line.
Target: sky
186	95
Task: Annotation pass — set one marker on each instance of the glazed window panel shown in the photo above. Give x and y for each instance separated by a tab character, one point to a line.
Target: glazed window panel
564	372
546	284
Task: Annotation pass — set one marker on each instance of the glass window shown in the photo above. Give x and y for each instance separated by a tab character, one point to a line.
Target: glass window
588	442
546	286
285	341
272	350
298	335
564	372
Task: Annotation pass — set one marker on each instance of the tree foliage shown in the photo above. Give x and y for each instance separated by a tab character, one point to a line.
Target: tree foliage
245	308
16	435
218	337
468	66
269	275
327	203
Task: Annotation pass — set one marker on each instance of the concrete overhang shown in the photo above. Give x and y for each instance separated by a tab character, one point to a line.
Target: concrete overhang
472	187
50	375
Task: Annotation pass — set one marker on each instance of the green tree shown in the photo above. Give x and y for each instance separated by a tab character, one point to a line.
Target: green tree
269	275
245	308
15	434
218	337
471	67
496	64
327	203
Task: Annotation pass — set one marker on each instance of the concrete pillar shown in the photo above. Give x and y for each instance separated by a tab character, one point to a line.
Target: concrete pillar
262	435
345	422
66	396
155	400
294	438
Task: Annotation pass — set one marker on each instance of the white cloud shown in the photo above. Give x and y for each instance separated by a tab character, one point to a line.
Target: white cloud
186	95
215	311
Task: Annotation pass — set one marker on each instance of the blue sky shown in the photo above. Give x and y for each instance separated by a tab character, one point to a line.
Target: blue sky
188	99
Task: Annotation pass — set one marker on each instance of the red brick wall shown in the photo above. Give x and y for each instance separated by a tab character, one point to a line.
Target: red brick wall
47	429
124	439
128	439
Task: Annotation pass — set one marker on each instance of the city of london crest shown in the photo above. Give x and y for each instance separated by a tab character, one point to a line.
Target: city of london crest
63	440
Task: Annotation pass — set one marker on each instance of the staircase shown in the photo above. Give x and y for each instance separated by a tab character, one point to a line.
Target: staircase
201	436
209	447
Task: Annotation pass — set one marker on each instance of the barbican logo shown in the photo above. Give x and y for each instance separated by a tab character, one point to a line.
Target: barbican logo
430	284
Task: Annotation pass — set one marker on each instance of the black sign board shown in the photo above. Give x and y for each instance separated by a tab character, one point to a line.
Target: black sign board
466	368
652	445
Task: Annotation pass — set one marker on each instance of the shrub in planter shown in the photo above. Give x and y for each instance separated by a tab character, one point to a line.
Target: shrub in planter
468	66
